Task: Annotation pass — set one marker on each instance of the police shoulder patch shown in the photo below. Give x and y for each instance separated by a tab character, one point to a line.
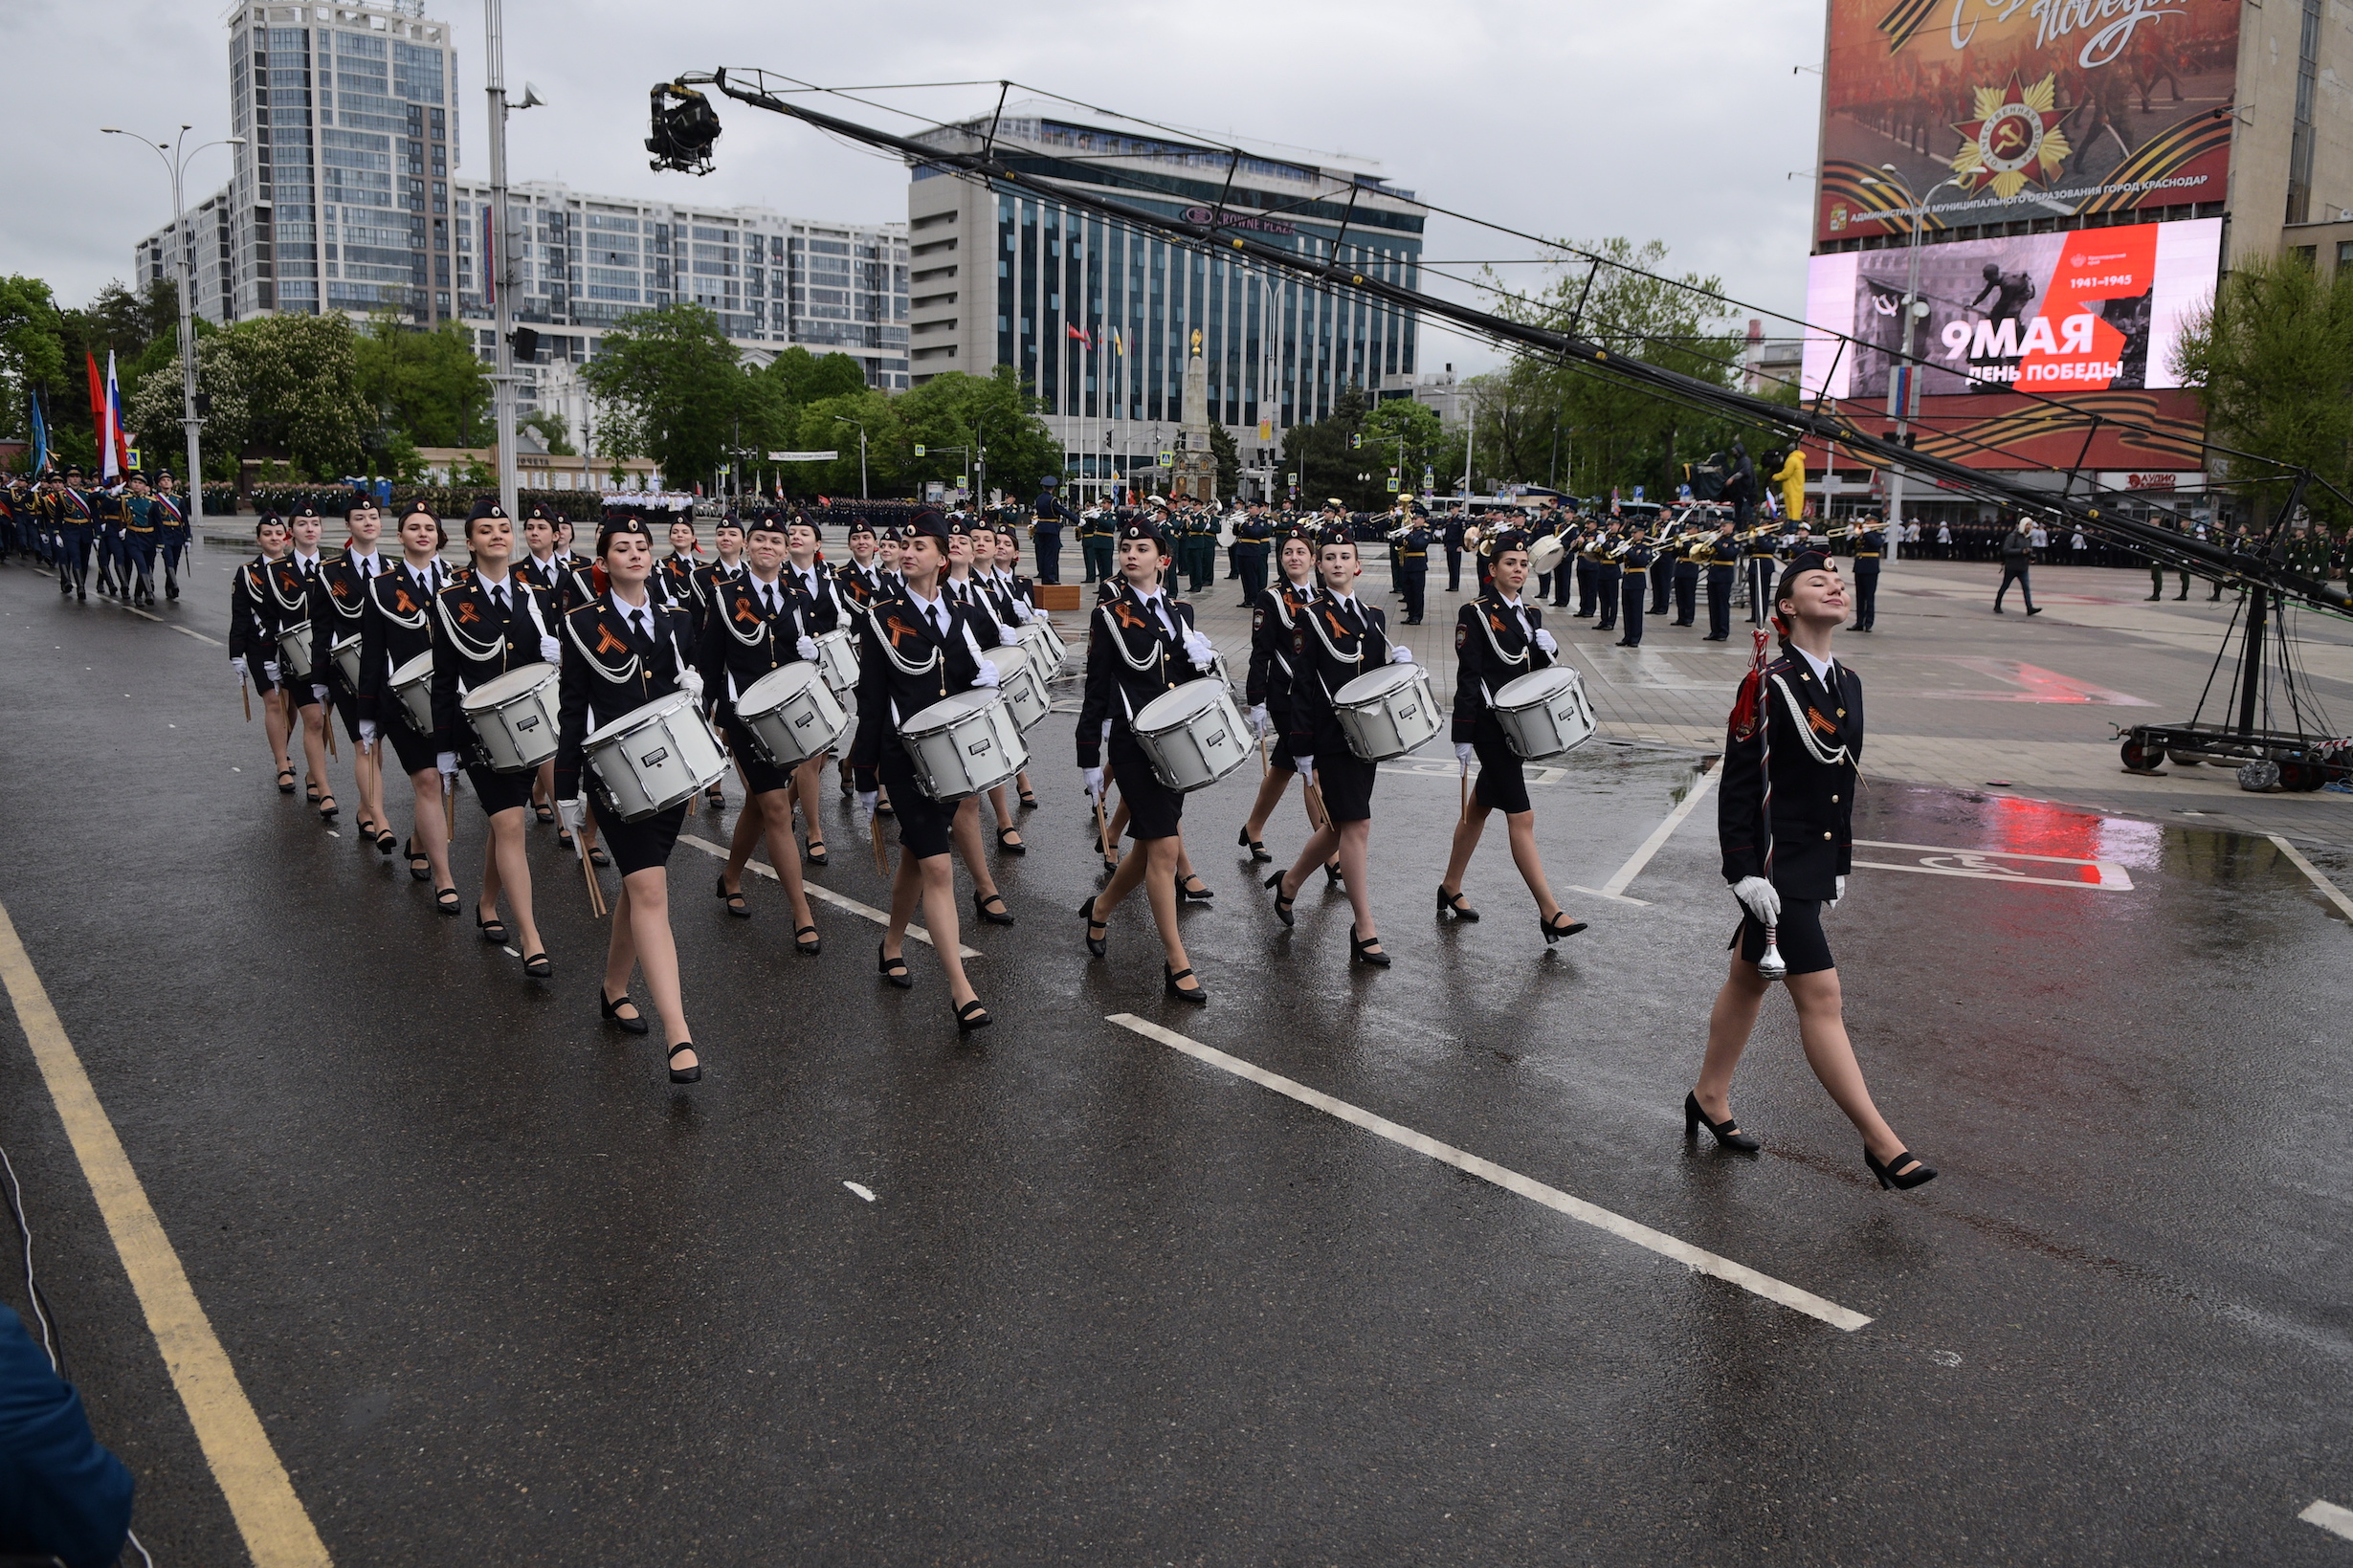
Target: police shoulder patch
1258	619
1463	636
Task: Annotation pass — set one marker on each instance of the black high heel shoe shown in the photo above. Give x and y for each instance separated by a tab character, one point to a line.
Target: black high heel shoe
538	966
1893	1174
446	902
1169	983
980	907
285	780
683	1074
385	838
1282	904
635	1024
1332	876
972	1016
420	867
492	929
1362	952
1187	896
1257	848
1451	903
806	941
894	969
1726	1132
1554	933
1097	945
737	904
1009	840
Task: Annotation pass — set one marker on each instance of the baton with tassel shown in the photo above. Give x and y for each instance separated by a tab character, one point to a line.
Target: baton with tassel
1770	964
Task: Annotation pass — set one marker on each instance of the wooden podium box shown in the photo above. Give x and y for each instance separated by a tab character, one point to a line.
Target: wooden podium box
1057	595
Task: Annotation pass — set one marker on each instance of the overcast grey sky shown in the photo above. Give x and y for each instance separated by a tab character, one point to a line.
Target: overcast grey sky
1676	120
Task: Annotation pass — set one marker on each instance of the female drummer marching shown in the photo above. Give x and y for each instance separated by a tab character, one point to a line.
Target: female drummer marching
1273	619
1142	644
1498	638
1793	747
755	626
252	640
395	626
622	649
486	622
914	649
1338	639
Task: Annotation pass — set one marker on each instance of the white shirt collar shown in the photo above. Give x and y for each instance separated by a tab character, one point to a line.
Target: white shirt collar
1821	667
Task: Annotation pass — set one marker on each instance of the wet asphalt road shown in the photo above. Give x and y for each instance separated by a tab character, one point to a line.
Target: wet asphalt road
501	1295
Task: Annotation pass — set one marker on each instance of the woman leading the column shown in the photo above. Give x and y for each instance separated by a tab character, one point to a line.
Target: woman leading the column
1785	817
622	649
395	626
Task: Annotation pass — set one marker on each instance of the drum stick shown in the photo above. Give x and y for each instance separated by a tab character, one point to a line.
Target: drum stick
330	728
1262	758
874	824
1103	832
246	694
449	804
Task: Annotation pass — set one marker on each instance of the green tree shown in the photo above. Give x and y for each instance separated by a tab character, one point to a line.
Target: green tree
300	377
801	377
946	411
819	427
31	352
1228	461
2271	358
430	386
670	379
154	405
553	434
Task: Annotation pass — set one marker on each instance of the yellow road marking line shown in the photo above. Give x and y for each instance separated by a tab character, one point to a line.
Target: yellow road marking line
278	1531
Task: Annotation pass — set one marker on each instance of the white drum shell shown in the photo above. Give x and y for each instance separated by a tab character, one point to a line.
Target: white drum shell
1025	692
837	655
1045	648
1194	735
1388	711
792	715
413	686
1543	713
344	655
514	718
964	745
294	656
655	757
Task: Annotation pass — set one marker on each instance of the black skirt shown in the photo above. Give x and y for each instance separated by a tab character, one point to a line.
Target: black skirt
347	707
1154	810
1798	935
416	751
1502	777
760	775
922	822
639	846
1343	778
500	791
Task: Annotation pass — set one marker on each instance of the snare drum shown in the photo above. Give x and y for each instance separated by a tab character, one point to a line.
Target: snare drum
1045	648
513	717
791	715
655	758
412	688
294	658
1386	712
1543	713
964	745
1024	688
1192	736
344	655
837	655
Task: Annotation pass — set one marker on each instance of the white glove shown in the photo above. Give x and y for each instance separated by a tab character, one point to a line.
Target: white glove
807	648
1258	721
269	668
1022	611
1400	653
446	764
988	675
367	732
573	813
1463	754
1841	892
1306	767
238	665
318	693
551	651
866	801
1094	777
690	681
1545	641
1197	649
1758	897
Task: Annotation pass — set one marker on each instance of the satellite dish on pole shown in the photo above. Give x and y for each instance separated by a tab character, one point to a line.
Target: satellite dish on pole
531	98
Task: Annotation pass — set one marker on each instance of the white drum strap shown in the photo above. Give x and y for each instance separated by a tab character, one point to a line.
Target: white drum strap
409	622
624	672
336	603
1805	731
761	632
283	602
470	649
883	638
1153	661
1488	625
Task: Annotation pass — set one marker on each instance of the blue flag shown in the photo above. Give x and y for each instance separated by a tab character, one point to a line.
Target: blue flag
40	438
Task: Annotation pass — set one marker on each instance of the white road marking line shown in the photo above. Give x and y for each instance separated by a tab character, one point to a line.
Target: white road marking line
1552	1197
198	636
1613	897
2337	1521
2334	897
866	1193
1624	878
827	896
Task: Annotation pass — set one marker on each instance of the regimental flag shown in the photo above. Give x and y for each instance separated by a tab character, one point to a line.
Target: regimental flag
1079	334
118	445
40	438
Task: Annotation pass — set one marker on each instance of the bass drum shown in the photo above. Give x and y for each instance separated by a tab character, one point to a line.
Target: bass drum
963	745
792	715
653	758
1192	736
1386	713
1543	713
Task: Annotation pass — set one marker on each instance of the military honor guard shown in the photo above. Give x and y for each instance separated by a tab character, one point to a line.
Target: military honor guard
1723	564
1634	563
1870	544
823	608
339	600
1254	536
865	577
397	629
1785	817
252	640
487	621
621	649
916	649
73	524
1413	542
1498	637
1690	557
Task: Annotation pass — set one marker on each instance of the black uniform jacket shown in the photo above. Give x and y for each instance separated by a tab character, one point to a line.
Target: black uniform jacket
609	670
1490	651
253	617
905	665
558	591
980	611
1133	656
1816	733
823	607
338	609
472	644
743	640
861	585
396	628
1270	625
1332	643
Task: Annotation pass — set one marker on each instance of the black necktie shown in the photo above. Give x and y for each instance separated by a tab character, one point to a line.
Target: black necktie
767	599
641	623
938	622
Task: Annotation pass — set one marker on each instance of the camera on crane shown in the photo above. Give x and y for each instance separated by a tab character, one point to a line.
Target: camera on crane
685	125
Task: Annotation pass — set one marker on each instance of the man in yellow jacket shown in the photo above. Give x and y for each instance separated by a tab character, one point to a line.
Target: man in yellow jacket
1792	478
